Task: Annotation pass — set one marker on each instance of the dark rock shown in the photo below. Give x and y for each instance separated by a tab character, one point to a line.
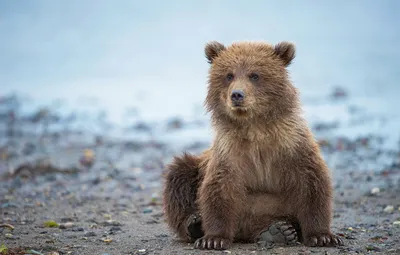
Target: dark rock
135	146
96	181
90	233
40	115
162	236
141	126
151	222
115	229
28	149
325	126
175	123
66	219
339	93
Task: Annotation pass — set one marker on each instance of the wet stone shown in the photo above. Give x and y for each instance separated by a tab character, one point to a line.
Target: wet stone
147	210
9	205
115	229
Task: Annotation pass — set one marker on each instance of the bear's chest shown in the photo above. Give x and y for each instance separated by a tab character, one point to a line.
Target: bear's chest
255	164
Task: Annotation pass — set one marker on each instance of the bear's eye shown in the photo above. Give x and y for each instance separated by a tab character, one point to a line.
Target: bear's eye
254	76
229	76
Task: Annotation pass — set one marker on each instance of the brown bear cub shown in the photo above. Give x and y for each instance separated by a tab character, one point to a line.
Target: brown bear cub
263	178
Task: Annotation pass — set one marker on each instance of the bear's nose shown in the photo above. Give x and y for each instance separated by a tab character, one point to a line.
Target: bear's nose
237	96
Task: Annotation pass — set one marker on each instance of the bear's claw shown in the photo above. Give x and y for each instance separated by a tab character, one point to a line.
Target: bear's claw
324	240
212	243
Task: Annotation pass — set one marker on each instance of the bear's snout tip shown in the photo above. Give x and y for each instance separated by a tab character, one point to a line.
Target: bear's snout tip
237	97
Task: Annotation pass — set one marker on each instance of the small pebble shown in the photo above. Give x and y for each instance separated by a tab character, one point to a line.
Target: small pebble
373	248
10	236
9	205
107	216
66	225
87	158
108	240
147	210
389	209
375	191
53	253
142	250
93	226
137	170
112	223
396	223
35	252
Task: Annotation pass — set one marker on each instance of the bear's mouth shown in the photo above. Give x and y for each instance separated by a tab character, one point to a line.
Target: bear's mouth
239	110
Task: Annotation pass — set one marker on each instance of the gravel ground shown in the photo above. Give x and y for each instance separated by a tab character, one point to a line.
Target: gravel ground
70	192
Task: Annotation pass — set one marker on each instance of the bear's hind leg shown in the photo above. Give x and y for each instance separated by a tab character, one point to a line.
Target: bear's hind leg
182	179
279	232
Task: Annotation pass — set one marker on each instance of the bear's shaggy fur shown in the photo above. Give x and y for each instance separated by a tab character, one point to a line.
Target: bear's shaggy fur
263	166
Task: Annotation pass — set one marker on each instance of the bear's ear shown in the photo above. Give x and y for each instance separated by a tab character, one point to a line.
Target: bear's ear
212	50
286	51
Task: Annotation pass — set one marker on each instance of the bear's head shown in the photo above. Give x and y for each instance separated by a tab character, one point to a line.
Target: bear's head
249	80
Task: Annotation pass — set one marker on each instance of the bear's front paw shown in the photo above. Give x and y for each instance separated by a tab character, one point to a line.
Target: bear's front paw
193	228
212	243
324	239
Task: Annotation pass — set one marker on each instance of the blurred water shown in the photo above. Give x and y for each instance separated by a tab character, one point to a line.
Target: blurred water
149	55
